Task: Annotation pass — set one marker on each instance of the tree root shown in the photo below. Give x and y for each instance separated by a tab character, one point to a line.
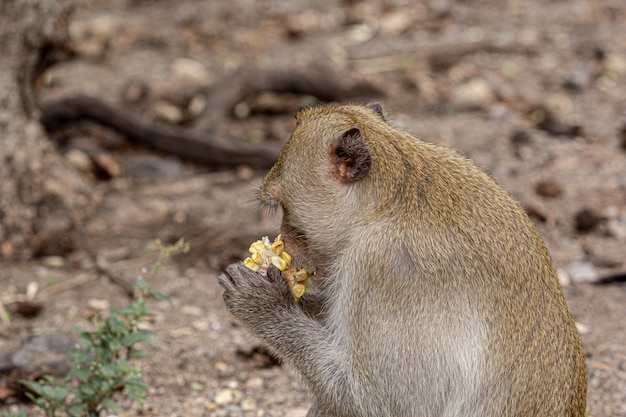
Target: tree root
200	143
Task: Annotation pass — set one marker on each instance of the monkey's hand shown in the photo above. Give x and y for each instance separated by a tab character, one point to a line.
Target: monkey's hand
253	298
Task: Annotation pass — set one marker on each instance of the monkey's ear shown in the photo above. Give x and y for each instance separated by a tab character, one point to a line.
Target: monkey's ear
351	160
378	108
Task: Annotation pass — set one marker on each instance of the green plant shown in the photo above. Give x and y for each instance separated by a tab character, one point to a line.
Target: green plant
105	361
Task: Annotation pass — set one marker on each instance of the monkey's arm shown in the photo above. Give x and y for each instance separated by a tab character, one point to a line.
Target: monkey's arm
267	308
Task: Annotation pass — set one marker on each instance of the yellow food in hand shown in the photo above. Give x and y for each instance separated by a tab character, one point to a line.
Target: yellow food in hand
264	253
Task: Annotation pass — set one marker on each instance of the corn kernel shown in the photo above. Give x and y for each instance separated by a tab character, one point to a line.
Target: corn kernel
278	246
257	246
298	290
301	275
264	254
257	258
285	255
251	264
279	263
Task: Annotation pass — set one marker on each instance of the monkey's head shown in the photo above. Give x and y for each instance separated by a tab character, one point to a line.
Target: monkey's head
323	177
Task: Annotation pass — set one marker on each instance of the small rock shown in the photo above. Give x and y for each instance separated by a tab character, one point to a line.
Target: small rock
297	412
576	80
54	261
474	94
167	112
221	366
135	92
554	124
200	325
396	22
614	66
225	396
98	304
248	404
26	308
196	386
582	272
617	227
536	213
191	68
519	139
79	160
197	104
192	310
586	220
582	329
150	167
108	166
254	383
43	354
244	172
548	189
559	104
563	277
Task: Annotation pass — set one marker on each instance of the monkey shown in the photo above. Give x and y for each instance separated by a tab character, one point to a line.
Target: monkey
433	294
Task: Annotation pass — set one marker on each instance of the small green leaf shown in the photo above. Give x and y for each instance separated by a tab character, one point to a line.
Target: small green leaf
60	394
140	336
19	413
75	410
110	405
159	295
137	354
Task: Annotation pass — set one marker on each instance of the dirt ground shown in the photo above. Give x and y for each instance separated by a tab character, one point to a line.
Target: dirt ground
533	91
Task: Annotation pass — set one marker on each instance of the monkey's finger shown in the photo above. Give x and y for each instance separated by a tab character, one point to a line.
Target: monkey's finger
275	278
274	275
226	282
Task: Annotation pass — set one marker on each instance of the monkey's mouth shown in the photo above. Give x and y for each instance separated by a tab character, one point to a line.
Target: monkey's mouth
296	242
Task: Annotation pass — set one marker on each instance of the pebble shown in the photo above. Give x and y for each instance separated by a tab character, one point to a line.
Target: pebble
191	68
107	163
248	404
167	112
582	272
582	328
225	396
586	220
563	277
254	383
192	310
474	94
576	80
43	354
297	412
98	304
54	261
79	160
548	189
394	23
617	227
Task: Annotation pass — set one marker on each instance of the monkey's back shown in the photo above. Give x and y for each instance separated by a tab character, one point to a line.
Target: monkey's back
491	331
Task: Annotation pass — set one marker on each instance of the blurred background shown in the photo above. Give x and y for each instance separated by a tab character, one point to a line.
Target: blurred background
126	121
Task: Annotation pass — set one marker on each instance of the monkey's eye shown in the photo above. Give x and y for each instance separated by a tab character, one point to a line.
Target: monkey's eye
264	254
